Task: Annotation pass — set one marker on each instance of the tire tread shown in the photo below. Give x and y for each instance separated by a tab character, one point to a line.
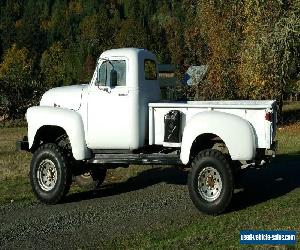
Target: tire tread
65	185
213	153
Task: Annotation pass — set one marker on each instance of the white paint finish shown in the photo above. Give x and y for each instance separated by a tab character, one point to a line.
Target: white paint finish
109	118
69	120
121	122
151	126
256	117
243	129
239	104
172	144
65	97
236	133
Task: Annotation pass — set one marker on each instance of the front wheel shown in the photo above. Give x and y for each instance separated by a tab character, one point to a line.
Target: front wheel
210	182
50	176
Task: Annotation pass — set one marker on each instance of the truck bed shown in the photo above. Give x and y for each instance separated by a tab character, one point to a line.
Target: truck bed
239	104
252	111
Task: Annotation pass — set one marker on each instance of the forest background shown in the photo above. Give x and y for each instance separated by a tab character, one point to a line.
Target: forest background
251	47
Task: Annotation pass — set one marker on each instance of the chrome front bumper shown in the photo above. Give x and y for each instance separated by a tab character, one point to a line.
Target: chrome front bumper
22	145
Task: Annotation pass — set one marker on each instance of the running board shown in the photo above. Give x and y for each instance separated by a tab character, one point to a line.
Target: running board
161	159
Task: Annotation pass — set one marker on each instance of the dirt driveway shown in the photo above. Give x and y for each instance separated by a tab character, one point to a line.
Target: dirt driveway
156	198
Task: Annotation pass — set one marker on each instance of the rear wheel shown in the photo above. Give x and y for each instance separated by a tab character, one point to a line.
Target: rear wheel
91	179
50	176
210	182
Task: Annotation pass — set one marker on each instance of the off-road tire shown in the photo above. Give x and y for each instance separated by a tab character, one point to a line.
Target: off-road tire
210	169
52	155
92	179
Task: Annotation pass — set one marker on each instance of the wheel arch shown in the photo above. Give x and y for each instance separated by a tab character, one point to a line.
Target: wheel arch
50	122
207	141
47	134
205	128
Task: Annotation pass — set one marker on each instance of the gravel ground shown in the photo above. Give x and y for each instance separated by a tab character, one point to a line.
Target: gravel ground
145	199
155	198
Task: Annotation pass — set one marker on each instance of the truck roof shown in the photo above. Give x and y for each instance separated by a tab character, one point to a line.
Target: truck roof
127	52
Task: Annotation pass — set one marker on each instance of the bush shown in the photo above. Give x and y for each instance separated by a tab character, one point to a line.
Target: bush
18	90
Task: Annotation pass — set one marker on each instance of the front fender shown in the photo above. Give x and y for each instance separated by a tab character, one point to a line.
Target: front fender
236	132
67	119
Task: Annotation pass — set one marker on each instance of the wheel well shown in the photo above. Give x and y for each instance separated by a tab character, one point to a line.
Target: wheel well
208	141
47	134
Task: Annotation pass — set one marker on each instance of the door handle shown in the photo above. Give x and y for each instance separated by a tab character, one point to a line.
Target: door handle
105	89
123	94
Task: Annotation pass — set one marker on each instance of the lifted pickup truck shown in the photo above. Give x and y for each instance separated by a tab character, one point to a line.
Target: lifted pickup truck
78	132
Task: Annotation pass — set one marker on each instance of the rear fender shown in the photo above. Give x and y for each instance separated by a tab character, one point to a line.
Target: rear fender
236	132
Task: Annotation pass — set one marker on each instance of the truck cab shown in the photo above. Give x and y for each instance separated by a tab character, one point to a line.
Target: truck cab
114	106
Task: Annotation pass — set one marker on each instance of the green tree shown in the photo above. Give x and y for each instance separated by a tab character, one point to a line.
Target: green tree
57	27
28	29
131	34
88	69
219	26
52	67
195	46
73	65
157	42
132	9
270	50
96	33
18	89
10	12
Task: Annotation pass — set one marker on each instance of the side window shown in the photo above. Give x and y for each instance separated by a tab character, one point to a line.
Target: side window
107	68
150	70
102	75
120	67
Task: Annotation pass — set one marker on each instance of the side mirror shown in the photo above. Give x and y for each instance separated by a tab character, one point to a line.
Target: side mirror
113	78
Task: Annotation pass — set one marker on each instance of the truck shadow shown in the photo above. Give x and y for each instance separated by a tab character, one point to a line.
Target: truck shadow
290	117
255	185
147	178
259	185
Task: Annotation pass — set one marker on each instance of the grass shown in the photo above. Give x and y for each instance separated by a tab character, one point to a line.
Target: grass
289	135
13	164
277	211
289	139
15	189
14	167
290	106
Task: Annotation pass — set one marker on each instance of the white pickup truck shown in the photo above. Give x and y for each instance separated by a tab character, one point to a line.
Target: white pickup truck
78	132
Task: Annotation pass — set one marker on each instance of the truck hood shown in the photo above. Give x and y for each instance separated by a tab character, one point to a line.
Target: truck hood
65	97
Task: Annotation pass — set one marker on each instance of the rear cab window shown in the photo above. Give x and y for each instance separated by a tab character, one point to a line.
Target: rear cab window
150	69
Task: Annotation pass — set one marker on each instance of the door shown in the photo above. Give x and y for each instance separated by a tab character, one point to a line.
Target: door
109	108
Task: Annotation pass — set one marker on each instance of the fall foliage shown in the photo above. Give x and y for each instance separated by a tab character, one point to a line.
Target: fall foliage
251	47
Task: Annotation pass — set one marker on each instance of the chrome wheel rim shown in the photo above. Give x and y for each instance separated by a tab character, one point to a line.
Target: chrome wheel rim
209	184
47	175
86	175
